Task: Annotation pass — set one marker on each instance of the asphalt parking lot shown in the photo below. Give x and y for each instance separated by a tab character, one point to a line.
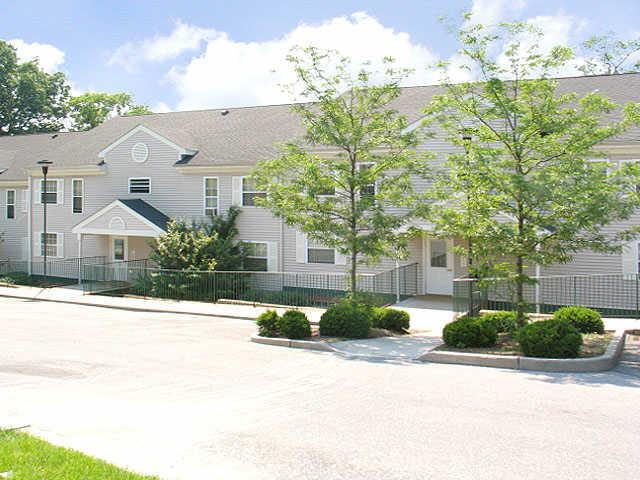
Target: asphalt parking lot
188	397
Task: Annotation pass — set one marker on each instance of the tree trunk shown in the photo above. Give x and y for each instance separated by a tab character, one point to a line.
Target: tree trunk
520	303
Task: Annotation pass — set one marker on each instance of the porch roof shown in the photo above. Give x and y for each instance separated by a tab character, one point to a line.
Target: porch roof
125	217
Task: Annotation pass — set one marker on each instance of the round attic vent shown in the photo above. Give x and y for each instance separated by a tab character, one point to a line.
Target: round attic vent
140	152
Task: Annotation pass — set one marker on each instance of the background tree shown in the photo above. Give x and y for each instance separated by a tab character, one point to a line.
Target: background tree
31	100
355	161
606	54
92	108
184	247
225	248
522	185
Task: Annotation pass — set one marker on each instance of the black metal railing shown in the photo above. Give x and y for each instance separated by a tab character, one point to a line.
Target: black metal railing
64	269
611	295
288	288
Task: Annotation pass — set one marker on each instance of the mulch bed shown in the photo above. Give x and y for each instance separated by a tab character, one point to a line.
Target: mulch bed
593	345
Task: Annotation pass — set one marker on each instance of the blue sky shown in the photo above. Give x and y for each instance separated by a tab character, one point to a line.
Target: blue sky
197	54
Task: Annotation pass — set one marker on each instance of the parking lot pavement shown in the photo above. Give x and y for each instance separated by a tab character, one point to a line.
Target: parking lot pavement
190	397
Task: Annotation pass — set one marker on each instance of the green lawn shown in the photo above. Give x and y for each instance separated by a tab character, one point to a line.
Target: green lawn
29	458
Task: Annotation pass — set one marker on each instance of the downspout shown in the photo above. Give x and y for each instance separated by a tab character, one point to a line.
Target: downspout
29	226
282	250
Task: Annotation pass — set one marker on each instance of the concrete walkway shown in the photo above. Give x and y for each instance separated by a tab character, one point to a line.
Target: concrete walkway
73	294
630	361
404	348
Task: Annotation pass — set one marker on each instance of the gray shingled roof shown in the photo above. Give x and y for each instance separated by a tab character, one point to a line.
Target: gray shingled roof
149	212
248	134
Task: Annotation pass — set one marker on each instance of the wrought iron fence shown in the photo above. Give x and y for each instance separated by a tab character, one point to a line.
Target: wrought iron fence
63	269
289	288
611	295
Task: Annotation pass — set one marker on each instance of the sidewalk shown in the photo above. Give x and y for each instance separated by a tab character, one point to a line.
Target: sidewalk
74	294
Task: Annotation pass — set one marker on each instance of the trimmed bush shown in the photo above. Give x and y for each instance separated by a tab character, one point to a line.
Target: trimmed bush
294	324
550	339
268	324
470	332
390	319
346	319
505	322
582	318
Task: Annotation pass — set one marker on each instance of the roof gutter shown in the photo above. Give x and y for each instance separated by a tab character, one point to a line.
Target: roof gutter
84	171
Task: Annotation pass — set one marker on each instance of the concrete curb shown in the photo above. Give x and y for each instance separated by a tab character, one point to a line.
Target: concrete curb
286	342
569	365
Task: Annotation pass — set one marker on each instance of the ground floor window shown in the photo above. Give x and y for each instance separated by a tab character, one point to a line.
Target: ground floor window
318	253
257	256
210	196
53	244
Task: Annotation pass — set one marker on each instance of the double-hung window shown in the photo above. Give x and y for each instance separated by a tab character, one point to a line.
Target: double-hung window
54	244
210	196
318	253
368	190
77	192
51	195
256	259
11	204
249	193
140	185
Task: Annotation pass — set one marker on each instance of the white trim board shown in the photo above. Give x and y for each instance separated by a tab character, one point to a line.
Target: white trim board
148	131
80	228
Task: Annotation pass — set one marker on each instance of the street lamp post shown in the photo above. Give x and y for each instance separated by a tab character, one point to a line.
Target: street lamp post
44	199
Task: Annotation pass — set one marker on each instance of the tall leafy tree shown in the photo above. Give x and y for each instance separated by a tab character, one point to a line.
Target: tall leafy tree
184	247
31	100
92	108
522	185
607	54
225	248
355	161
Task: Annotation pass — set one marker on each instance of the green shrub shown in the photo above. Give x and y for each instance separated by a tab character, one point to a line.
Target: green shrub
268	324
390	319
550	339
346	319
294	324
505	322
584	319
470	332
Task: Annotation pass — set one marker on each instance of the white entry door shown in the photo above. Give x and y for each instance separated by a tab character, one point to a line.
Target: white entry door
439	266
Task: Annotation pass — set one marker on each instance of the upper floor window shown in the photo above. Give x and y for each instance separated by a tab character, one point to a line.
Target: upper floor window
210	196
11	204
140	185
77	185
318	253
50	193
249	193
368	190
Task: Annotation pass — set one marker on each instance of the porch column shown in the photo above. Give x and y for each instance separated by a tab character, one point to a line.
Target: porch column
79	259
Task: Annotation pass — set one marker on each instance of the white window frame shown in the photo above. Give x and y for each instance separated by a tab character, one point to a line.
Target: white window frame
204	195
59	245
74	196
139	178
309	247
26	198
266	244
59	191
243	191
7	204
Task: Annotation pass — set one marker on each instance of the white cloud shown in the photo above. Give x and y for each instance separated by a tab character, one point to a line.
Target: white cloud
49	57
182	39
491	12
160	107
231	73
